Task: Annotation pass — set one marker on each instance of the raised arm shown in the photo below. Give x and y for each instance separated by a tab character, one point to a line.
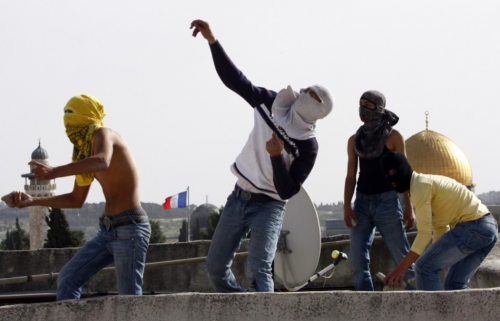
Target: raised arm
230	75
203	27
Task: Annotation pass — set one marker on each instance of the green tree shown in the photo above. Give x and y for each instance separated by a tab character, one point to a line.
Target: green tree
183	232
59	235
196	230
213	220
17	239
157	236
77	238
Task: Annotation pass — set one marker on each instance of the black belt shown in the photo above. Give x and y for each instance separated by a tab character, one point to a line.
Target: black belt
134	216
109	222
253	197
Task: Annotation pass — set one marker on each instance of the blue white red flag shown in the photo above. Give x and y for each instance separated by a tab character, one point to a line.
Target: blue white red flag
176	201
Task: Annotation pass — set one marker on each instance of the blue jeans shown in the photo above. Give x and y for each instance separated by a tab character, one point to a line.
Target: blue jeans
125	246
382	211
239	217
461	251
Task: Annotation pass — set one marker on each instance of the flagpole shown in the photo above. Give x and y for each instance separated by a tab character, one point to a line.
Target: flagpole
187	225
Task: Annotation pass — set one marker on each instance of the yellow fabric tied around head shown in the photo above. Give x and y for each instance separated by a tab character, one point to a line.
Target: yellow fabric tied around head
83	115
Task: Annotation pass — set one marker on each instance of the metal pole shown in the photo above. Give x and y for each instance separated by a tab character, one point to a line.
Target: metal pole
187	208
335	244
111	269
201	259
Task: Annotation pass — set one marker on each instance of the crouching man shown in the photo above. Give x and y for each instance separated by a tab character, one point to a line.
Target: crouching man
462	230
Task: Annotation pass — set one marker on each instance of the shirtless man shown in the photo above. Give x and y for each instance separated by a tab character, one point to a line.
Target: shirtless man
99	153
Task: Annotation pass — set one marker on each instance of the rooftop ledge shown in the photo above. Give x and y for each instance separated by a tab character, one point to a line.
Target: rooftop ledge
191	297
479	304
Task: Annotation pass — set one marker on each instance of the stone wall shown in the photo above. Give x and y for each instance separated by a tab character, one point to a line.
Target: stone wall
179	278
192	277
311	306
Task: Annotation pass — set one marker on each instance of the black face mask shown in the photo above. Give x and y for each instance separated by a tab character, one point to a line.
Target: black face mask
371	117
402	175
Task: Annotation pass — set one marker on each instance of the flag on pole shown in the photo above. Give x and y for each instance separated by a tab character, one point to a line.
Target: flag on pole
176	201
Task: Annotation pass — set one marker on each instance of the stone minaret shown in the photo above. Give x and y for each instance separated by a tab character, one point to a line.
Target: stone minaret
38	188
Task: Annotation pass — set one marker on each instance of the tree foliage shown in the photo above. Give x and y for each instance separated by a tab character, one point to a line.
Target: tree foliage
17	239
87	217
195	235
77	238
183	232
59	235
157	236
89	213
213	220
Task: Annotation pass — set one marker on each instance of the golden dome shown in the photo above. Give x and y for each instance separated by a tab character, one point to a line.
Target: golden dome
432	153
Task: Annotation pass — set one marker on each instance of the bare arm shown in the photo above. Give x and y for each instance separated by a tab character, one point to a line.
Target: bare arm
103	150
397	275
350	183
397	144
75	199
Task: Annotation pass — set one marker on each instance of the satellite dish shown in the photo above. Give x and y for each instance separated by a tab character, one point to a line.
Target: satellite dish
299	245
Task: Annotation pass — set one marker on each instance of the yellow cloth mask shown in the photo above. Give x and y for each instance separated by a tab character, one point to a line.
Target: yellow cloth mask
83	115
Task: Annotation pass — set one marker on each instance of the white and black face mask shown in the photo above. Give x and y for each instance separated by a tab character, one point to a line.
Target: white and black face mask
297	113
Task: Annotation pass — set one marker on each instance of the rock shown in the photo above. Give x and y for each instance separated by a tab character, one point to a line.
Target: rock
9	199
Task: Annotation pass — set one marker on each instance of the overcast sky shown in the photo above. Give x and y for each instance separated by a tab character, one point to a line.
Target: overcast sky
185	128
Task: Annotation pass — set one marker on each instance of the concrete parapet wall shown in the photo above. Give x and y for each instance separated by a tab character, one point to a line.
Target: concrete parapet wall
173	279
181	278
488	274
495	211
312	306
193	277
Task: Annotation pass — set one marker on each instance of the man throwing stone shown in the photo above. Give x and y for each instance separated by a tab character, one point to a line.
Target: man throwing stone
99	153
275	161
